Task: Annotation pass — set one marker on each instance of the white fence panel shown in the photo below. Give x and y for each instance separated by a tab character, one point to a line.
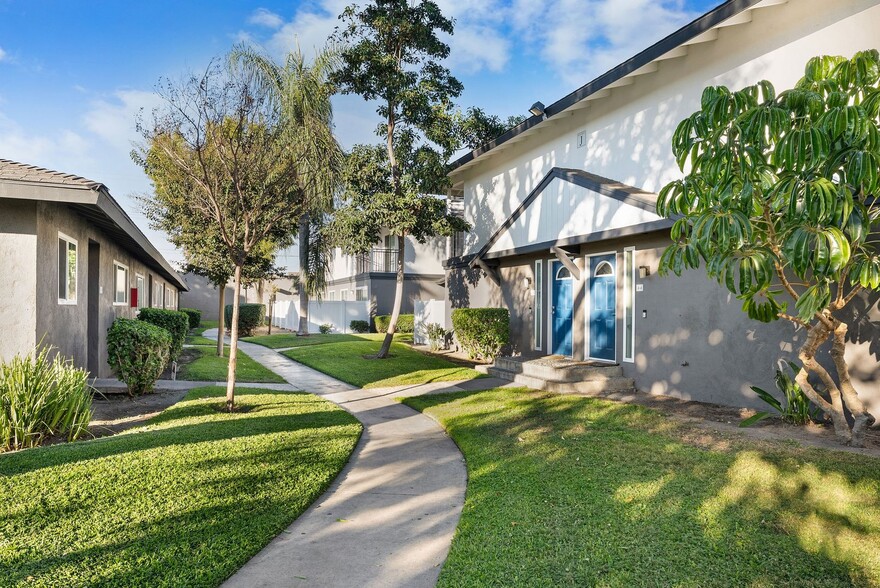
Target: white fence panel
338	313
427	312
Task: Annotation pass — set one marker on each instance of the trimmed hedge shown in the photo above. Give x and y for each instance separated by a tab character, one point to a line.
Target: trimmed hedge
173	321
194	316
359	326
482	332
250	316
138	352
405	323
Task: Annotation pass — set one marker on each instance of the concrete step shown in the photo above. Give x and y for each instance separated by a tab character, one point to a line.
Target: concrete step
560	370
596	386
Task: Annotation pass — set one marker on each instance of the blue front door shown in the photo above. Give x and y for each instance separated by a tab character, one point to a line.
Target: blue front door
561	309
603	307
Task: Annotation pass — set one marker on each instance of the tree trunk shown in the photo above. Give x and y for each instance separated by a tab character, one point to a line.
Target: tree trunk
304	238
861	417
398	299
221	327
233	342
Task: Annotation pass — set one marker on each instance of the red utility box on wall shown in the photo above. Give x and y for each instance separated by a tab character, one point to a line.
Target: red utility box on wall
133	299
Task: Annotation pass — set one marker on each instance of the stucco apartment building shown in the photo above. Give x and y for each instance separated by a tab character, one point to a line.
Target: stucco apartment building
372	276
565	230
74	262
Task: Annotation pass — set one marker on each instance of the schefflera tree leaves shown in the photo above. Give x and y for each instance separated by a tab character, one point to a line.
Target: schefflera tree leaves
779	203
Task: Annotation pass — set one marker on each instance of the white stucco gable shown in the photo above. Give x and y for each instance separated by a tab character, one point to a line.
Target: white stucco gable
570	206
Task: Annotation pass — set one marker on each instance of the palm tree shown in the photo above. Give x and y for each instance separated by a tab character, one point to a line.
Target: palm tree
301	92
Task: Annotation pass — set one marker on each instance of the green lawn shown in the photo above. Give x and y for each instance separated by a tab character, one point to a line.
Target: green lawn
573	491
195	335
184	501
342	356
201	364
291	340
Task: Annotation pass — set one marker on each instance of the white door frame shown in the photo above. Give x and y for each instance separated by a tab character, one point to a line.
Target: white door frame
589	303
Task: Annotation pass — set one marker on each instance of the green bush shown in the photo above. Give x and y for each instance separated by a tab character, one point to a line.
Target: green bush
250	316
405	323
437	336
194	316
359	326
482	332
40	397
326	328
173	321
138	352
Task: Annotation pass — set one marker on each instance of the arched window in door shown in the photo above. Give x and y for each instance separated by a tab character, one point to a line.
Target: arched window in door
604	269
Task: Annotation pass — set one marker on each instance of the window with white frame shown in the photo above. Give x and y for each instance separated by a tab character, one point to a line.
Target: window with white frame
169	298
120	283
538	305
629	302
158	290
141	285
67	266
360	294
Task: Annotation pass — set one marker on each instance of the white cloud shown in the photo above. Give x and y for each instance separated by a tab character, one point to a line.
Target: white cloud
63	151
265	18
114	120
581	40
3	54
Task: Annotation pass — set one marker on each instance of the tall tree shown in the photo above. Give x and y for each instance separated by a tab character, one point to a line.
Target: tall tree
391	54
217	146
781	205
300	91
475	127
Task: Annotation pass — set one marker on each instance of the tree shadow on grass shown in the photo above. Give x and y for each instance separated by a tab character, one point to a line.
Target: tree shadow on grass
578	491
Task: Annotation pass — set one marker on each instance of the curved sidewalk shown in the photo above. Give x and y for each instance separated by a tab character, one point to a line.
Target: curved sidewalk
389	517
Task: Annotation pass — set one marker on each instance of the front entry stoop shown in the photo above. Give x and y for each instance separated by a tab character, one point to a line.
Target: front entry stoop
559	374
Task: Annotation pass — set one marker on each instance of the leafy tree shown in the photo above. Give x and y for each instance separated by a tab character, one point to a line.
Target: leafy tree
392	55
780	204
216	148
300	92
475	128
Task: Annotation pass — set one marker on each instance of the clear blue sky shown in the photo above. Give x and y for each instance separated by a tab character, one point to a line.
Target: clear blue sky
74	74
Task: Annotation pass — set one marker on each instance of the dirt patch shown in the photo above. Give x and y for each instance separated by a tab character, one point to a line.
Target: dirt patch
452	356
115	413
713	418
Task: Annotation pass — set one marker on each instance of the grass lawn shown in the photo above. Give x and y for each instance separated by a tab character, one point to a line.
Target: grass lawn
195	335
183	501
573	491
291	340
342	356
202	364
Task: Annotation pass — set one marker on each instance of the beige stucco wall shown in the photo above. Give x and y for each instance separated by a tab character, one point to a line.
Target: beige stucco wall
18	254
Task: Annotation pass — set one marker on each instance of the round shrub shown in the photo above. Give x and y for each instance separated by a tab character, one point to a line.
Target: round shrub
405	323
326	328
359	326
138	352
194	315
173	321
482	332
40	397
250	316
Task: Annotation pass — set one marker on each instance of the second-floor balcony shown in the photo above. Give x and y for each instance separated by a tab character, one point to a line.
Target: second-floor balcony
377	260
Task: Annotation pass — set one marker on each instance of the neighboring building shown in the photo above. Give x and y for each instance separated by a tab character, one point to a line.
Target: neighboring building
566	233
205	296
372	276
74	262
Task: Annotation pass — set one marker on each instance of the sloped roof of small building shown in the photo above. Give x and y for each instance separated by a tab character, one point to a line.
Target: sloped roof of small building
703	29
90	199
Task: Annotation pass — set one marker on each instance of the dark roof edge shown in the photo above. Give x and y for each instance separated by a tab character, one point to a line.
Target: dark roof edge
115	212
686	33
606	187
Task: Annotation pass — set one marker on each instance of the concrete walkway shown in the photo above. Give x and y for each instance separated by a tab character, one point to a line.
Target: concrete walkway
389	517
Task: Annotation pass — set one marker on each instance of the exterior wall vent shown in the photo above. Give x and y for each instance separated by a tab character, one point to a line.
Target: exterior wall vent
581	139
